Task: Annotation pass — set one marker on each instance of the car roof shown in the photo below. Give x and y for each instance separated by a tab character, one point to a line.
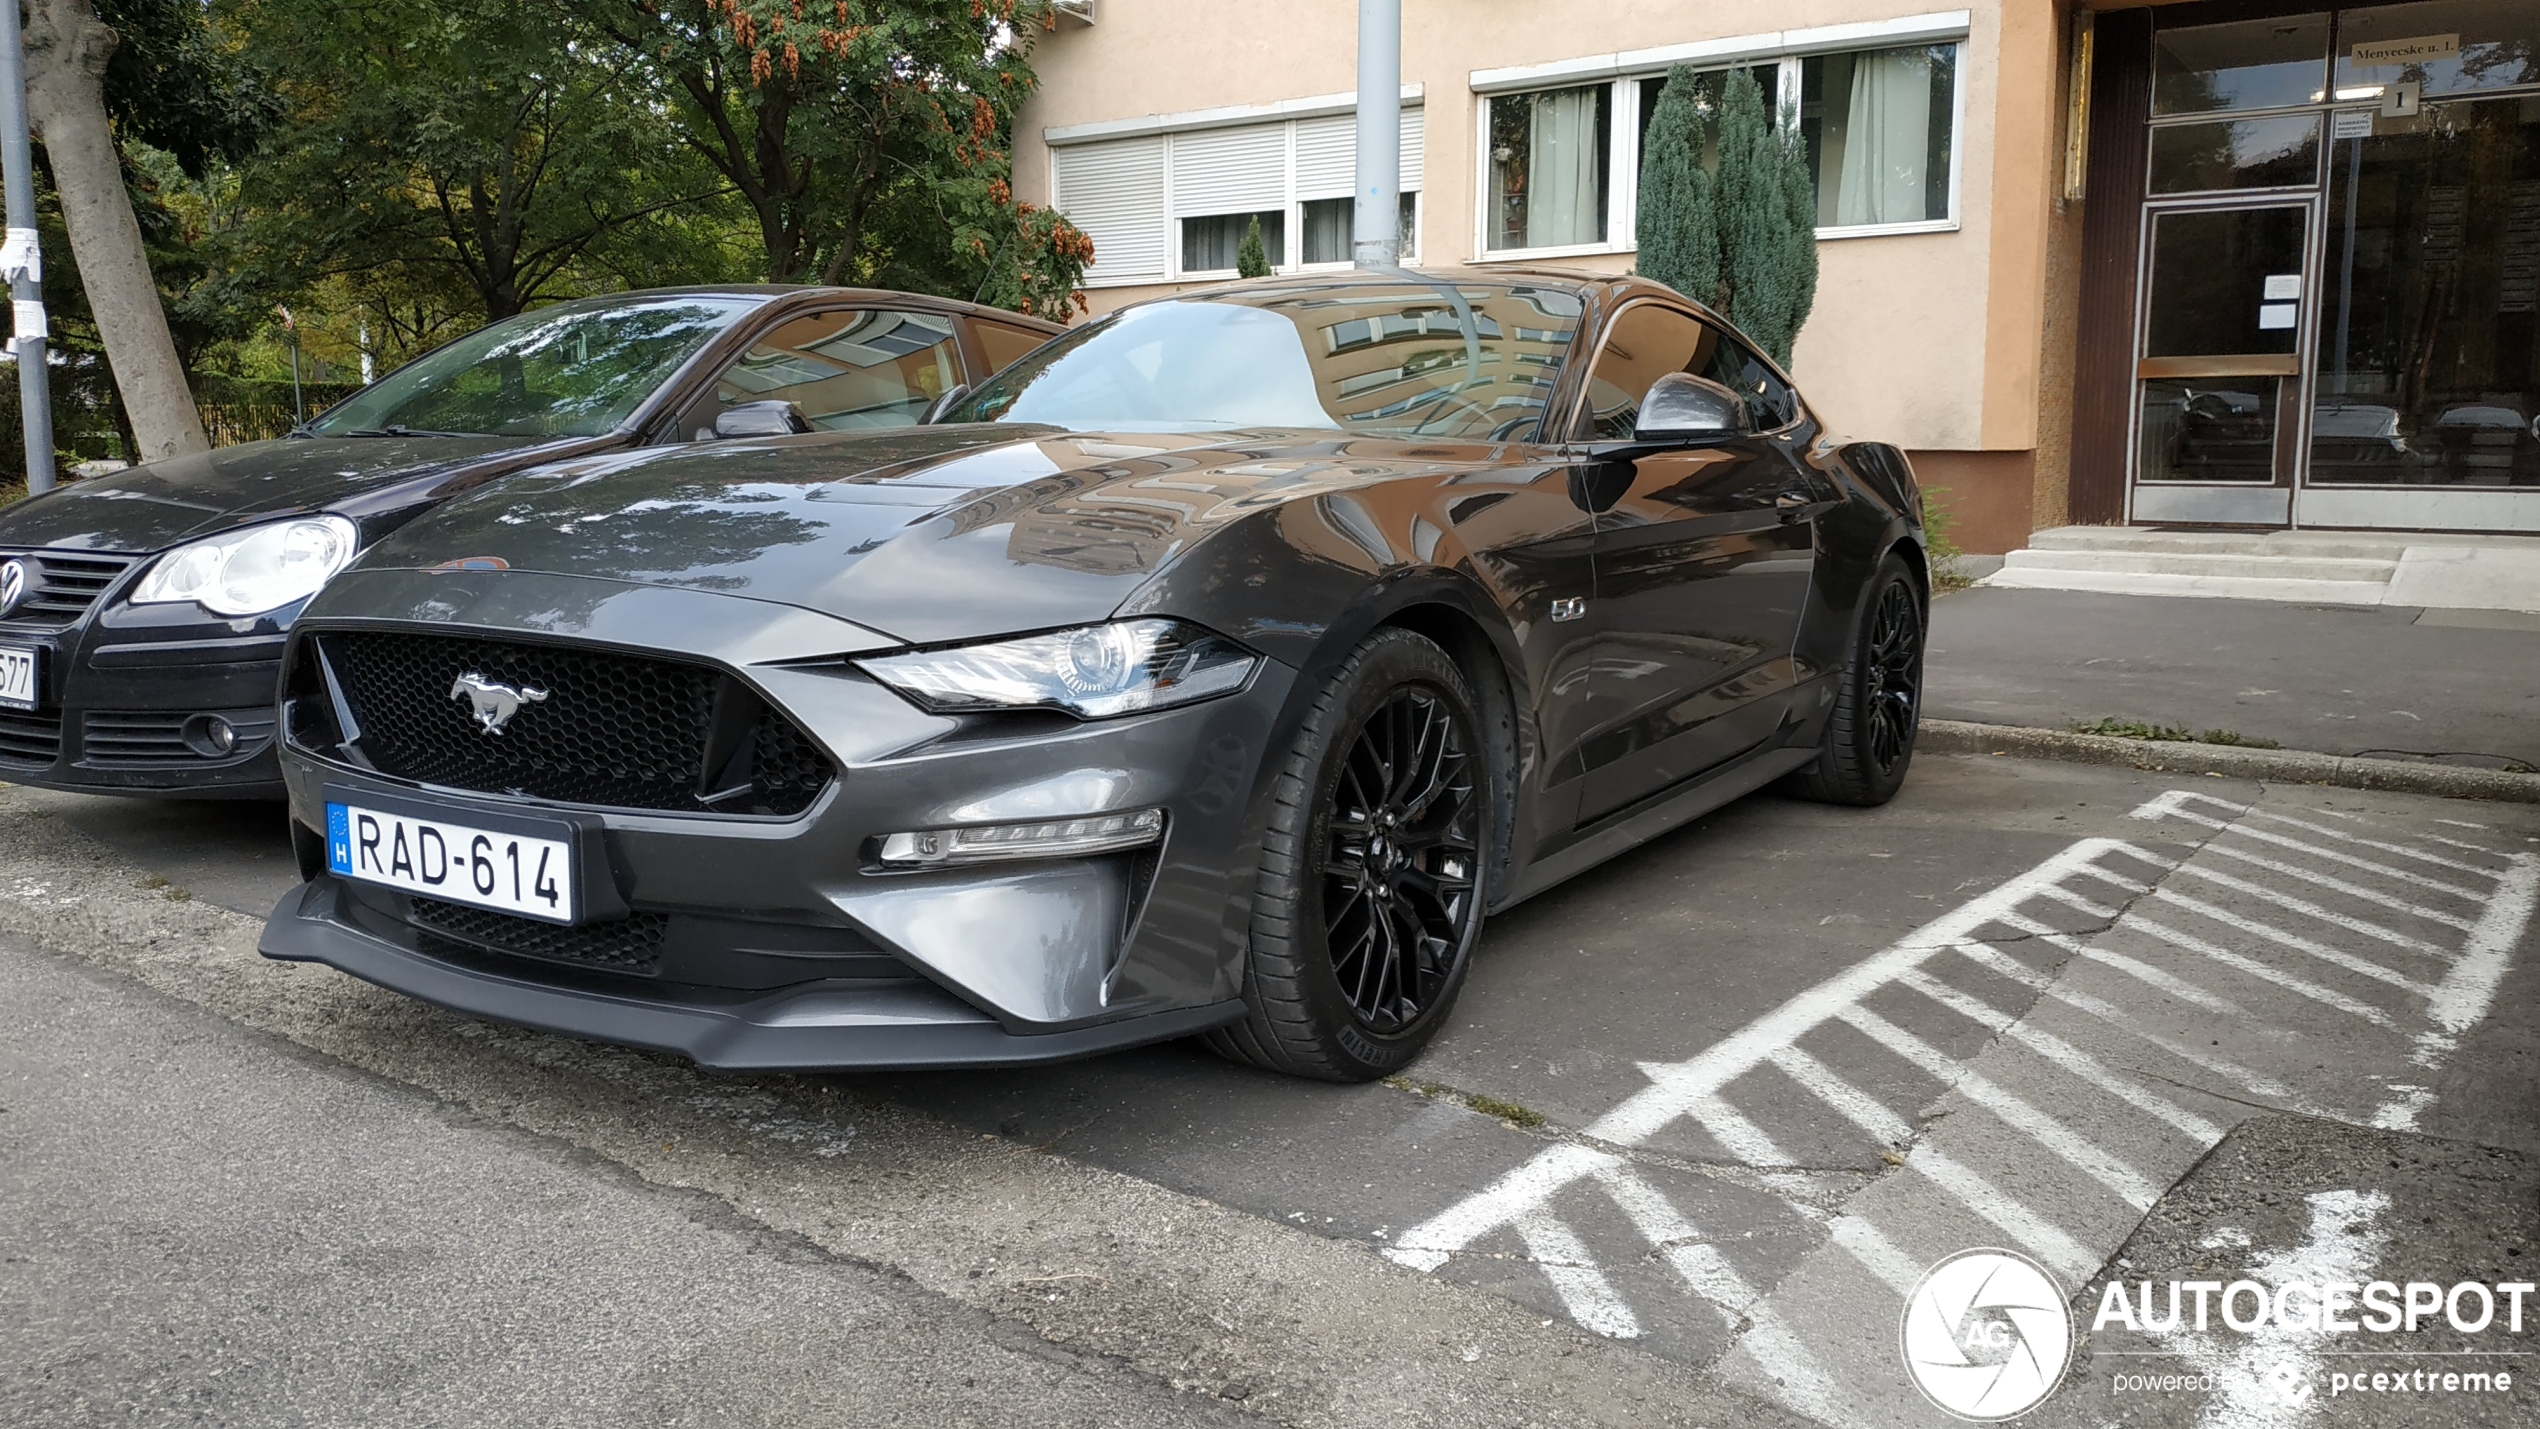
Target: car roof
809	292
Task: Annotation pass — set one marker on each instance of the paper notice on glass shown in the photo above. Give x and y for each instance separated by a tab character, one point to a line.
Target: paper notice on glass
2282	287
2275	315
2415	50
2350	124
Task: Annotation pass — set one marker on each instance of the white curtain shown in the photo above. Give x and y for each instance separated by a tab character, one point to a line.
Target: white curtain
1563	204
1886	139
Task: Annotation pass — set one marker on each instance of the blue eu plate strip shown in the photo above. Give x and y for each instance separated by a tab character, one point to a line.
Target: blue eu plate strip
339	839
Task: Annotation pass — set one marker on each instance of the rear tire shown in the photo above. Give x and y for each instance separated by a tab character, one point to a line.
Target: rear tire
1371	888
1878	705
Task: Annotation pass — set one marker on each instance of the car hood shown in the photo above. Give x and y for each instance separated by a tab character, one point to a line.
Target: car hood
154	506
924	534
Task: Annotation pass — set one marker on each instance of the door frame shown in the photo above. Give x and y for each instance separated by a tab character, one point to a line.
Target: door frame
2280	511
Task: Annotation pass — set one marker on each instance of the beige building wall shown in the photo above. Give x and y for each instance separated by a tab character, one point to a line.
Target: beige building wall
1934	341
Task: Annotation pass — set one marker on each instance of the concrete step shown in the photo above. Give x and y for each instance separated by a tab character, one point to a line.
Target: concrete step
2119	582
2346	545
2227	565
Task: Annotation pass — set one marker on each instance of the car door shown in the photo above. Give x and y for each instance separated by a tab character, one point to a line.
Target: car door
1703	554
844	369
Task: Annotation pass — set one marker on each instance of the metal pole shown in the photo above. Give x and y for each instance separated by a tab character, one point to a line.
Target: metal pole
1376	221
23	259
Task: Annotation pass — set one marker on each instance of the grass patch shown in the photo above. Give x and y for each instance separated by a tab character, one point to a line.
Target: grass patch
1507	1111
2137	729
1938	523
12	492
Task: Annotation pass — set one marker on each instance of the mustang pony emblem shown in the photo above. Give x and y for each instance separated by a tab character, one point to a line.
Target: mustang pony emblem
493	704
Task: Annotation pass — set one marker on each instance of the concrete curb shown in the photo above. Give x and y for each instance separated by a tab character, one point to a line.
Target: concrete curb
2447	781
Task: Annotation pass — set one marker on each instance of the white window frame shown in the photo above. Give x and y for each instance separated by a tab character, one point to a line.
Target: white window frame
1286	114
1623	75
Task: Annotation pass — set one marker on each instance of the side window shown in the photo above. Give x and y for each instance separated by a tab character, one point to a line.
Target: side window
1001	345
1642	345
846	370
1770	404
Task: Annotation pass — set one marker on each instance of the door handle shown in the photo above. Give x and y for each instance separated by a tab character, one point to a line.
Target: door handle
1792	506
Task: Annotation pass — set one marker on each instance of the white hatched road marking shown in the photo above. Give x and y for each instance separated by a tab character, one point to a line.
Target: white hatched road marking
1706	1090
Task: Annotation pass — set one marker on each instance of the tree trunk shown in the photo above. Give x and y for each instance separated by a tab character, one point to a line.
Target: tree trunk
66	52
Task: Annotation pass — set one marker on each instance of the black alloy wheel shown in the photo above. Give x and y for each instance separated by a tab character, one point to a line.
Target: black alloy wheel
1398	860
1894	671
1878	701
1373	874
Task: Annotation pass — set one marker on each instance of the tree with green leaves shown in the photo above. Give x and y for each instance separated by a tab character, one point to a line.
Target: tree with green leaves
1678	231
1252	260
865	137
1767	220
492	147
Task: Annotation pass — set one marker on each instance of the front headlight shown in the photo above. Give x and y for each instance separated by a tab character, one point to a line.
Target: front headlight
252	571
1090	672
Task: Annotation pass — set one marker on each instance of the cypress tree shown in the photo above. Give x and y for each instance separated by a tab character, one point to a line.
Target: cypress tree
1768	236
1252	260
1679	227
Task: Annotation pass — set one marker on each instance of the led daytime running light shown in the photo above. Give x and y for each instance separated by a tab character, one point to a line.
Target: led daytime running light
1047	838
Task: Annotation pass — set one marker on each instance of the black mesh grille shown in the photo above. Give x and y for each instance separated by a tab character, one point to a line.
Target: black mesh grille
629	945
614	730
29	738
64	585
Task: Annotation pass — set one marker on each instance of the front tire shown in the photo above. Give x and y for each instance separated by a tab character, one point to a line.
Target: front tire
1372	871
1878	707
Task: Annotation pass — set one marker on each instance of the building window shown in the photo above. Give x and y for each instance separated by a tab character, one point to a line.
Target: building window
1879	126
1709	85
1176	204
1329	223
1210	243
1549	159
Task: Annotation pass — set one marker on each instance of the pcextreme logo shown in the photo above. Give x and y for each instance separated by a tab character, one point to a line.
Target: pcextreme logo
1986	1335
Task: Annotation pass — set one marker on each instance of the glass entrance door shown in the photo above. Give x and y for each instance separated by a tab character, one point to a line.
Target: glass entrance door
2427	404
2218	370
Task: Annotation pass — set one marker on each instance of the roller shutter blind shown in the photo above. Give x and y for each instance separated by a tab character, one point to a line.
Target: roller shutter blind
1327	154
1230	170
1114	191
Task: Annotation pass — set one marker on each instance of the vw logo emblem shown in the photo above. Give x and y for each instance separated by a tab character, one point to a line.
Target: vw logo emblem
1987	1335
15	582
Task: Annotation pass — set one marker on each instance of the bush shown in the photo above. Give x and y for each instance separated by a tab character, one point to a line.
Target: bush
1252	260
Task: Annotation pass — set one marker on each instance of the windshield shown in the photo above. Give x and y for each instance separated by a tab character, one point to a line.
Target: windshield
570	371
1445	361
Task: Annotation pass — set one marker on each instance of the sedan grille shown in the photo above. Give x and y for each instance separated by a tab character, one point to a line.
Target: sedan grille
65	585
618	731
627	945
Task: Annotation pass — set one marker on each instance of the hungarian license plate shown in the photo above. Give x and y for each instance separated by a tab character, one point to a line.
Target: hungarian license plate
18	665
454	861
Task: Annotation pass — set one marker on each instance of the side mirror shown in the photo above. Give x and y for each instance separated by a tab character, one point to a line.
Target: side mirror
1681	407
759	419
937	408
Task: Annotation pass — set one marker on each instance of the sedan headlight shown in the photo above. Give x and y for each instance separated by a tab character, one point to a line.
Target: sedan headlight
1090	672
251	571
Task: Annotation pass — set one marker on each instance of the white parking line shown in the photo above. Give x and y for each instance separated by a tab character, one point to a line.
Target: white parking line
2053	1187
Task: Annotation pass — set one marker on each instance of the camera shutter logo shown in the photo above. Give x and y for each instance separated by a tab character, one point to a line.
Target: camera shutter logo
15	582
1986	1335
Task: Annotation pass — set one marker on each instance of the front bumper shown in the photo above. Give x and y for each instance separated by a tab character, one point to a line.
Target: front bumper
127	699
779	942
830	1025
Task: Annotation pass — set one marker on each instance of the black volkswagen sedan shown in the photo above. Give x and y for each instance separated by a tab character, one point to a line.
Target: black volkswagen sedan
142	615
1213	670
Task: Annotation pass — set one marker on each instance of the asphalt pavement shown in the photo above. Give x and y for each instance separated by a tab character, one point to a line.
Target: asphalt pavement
1704	1116
2393	681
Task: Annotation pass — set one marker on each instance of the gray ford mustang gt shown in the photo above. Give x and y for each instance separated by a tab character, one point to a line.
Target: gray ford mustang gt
1213	670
